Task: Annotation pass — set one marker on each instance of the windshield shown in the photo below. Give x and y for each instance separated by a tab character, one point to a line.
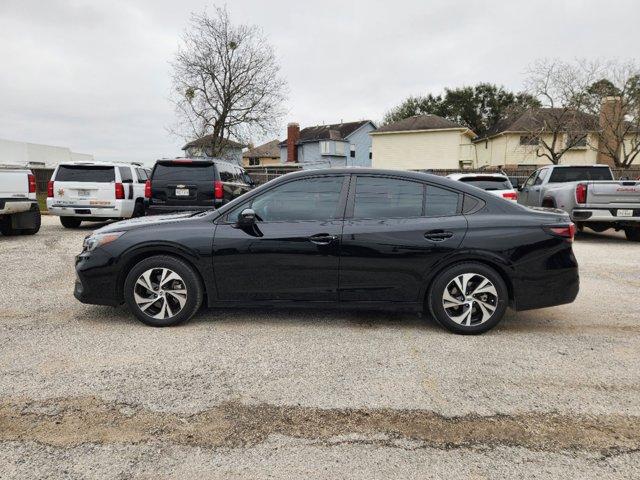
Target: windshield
488	183
185	172
85	173
576	174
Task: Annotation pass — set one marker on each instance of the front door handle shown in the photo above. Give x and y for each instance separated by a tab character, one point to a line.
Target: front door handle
438	235
323	239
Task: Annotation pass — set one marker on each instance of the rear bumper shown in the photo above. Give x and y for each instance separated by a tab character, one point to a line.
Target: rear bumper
547	282
65	210
9	206
162	209
605	215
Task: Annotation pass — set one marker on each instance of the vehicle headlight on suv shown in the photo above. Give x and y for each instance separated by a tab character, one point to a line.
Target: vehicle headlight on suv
100	239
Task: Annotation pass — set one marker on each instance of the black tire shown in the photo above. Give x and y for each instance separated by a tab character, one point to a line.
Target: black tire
598	228
632	234
36	229
138	209
580	226
188	277
436	292
70	222
5	227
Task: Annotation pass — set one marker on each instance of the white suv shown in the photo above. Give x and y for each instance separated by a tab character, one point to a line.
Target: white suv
96	191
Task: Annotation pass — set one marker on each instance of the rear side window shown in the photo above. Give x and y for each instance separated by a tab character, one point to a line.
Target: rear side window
184	172
488	182
379	197
441	202
576	174
142	175
125	175
226	172
85	173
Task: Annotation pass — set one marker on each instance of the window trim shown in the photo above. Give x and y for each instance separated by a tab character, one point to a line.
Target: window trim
339	212
351	200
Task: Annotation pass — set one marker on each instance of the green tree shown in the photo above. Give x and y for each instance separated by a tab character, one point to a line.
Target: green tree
477	107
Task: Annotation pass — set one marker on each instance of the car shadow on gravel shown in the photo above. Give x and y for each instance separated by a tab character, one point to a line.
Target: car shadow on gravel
608	236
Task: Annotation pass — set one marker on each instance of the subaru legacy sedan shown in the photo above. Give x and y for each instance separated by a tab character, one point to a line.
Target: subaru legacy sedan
346	238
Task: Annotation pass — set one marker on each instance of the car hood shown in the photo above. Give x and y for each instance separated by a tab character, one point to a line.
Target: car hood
143	222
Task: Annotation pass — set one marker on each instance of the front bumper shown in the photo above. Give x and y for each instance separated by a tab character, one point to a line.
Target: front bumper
96	279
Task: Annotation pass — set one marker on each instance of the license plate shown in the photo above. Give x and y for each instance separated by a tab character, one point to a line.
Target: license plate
84	193
625	213
182	192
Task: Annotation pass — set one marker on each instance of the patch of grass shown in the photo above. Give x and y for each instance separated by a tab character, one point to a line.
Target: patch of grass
42	201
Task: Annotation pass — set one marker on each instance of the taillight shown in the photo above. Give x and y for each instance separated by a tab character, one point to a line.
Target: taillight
119	191
32	183
581	193
217	190
147	189
510	195
564	231
50	189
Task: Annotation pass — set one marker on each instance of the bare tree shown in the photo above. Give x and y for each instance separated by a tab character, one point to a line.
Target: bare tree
561	123
226	82
615	99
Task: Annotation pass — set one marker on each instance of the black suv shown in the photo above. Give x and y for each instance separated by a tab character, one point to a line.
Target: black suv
187	184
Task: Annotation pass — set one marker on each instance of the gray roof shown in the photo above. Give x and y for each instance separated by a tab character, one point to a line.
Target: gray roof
336	131
420	122
544	119
207	141
269	149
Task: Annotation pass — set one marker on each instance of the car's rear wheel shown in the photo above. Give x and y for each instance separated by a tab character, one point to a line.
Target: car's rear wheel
162	291
632	233
468	298
6	227
70	222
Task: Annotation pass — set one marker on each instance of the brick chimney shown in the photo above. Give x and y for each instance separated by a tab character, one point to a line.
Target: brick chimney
610	119
293	135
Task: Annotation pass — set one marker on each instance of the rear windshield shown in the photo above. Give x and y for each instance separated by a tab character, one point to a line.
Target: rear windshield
575	174
184	172
85	173
489	183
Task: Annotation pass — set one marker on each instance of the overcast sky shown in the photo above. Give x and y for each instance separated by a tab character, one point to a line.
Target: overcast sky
94	75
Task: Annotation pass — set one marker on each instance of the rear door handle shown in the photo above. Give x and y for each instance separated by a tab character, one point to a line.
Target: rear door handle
438	235
323	239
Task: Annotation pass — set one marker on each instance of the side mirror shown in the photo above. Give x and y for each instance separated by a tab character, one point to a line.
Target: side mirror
247	218
520	187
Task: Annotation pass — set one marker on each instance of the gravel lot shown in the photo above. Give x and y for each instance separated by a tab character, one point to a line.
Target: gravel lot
88	392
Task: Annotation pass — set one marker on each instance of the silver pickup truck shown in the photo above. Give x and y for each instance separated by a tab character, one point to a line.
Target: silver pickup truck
589	194
19	212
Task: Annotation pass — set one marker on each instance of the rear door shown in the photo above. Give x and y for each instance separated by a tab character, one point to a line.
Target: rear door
395	230
179	183
85	186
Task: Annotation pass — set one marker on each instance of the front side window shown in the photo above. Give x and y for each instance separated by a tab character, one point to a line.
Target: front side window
309	199
380	197
541	176
141	173
531	179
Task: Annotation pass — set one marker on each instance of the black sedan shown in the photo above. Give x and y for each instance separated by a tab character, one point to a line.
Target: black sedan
347	238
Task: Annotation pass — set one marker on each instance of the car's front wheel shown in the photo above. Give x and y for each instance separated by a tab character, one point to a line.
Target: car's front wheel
162	291
468	298
70	222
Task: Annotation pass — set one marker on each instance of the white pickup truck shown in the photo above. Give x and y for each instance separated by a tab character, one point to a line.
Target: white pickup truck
19	212
589	194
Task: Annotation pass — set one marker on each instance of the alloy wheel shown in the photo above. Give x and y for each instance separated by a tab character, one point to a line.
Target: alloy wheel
160	293
470	299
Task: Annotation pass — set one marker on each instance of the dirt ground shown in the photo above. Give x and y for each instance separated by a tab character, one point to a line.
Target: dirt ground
88	392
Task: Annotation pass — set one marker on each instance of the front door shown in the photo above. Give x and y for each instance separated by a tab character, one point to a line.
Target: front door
395	231
292	252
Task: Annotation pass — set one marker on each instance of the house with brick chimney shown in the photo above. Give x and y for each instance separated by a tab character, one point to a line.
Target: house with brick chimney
325	146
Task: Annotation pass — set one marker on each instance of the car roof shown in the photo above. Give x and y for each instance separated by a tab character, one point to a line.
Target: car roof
166	161
458	176
99	164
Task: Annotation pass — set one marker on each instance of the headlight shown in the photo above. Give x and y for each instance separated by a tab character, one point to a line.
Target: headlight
99	239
